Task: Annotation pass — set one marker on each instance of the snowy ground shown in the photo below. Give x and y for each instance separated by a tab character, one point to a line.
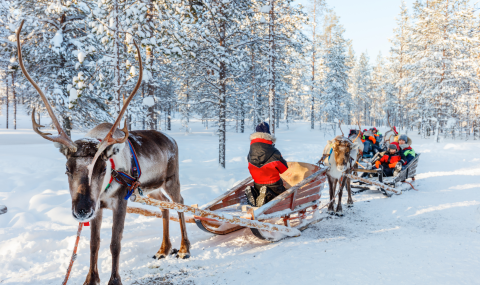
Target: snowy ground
427	237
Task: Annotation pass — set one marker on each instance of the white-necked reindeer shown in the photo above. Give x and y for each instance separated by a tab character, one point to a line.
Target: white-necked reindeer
88	177
341	154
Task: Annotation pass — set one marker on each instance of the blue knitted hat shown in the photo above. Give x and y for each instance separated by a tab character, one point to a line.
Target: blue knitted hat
263	128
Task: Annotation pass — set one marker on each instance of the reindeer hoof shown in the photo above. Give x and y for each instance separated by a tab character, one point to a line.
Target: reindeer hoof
160	255
339	213
184	255
331	212
350	205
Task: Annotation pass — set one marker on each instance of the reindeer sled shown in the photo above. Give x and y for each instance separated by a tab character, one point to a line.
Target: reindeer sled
376	181
285	216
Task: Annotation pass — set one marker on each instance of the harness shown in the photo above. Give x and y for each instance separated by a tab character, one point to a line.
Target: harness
132	182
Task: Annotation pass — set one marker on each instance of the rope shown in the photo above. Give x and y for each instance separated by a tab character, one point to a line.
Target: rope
74	254
410	185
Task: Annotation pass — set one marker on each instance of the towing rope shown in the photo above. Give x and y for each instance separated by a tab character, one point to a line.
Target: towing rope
410	185
74	254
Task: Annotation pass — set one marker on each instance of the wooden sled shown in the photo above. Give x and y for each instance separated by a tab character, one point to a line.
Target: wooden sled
296	208
394	182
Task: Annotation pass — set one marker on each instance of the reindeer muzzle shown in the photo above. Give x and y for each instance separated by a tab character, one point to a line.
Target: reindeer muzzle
83	208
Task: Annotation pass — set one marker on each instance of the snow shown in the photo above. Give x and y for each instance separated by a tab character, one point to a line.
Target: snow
73	94
81	56
451	122
265	9
148	101
430	236
57	39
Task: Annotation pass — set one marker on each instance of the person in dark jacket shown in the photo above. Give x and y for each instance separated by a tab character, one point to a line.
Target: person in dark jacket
408	154
369	141
265	164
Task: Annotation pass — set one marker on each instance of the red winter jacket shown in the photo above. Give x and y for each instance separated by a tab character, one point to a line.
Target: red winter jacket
265	162
389	159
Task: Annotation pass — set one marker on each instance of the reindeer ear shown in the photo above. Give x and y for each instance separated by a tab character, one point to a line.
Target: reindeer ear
63	149
112	150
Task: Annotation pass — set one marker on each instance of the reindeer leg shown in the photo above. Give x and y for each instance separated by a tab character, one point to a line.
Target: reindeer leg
166	246
92	277
184	251
349	190
119	213
339	211
173	186
332	185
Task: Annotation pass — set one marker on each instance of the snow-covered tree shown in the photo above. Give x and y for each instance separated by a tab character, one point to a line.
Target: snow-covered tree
335	83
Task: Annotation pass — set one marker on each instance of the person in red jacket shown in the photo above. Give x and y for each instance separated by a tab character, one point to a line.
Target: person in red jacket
265	164
391	162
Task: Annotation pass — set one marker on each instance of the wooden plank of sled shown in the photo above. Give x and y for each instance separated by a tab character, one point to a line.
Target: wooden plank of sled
220	198
219	217
289	192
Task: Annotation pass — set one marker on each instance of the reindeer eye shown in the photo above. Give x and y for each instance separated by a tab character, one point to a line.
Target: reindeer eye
104	170
67	170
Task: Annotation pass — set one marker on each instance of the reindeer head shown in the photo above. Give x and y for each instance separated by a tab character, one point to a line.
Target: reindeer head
85	192
341	147
86	174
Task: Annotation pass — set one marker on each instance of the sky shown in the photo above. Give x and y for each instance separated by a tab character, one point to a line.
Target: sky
368	23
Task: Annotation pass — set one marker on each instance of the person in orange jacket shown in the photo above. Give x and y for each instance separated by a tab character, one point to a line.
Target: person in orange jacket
391	162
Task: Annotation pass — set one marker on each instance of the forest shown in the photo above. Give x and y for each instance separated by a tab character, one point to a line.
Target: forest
235	63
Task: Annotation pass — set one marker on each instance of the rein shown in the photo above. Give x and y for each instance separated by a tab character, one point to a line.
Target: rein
74	254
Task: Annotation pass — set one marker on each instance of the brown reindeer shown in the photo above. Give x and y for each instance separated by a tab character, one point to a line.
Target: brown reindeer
337	154
88	178
388	138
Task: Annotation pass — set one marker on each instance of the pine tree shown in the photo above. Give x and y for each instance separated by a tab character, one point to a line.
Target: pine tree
335	83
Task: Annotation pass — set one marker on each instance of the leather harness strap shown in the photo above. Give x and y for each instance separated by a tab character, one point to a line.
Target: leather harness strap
132	182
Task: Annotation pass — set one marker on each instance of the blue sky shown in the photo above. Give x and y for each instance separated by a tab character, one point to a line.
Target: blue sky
369	23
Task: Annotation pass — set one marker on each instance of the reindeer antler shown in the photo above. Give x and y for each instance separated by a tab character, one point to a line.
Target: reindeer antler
340	127
62	137
359	131
109	140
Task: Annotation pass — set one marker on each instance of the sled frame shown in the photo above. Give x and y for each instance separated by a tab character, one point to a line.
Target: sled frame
296	200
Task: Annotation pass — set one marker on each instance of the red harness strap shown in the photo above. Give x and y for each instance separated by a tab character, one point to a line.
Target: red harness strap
111	176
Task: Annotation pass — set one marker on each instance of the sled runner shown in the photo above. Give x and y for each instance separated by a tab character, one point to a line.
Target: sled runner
296	208
393	182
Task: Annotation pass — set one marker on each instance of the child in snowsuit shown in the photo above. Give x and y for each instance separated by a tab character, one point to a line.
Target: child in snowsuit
408	154
391	162
265	164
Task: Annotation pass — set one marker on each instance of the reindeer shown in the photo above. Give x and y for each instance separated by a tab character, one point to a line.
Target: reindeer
88	176
388	139
340	154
